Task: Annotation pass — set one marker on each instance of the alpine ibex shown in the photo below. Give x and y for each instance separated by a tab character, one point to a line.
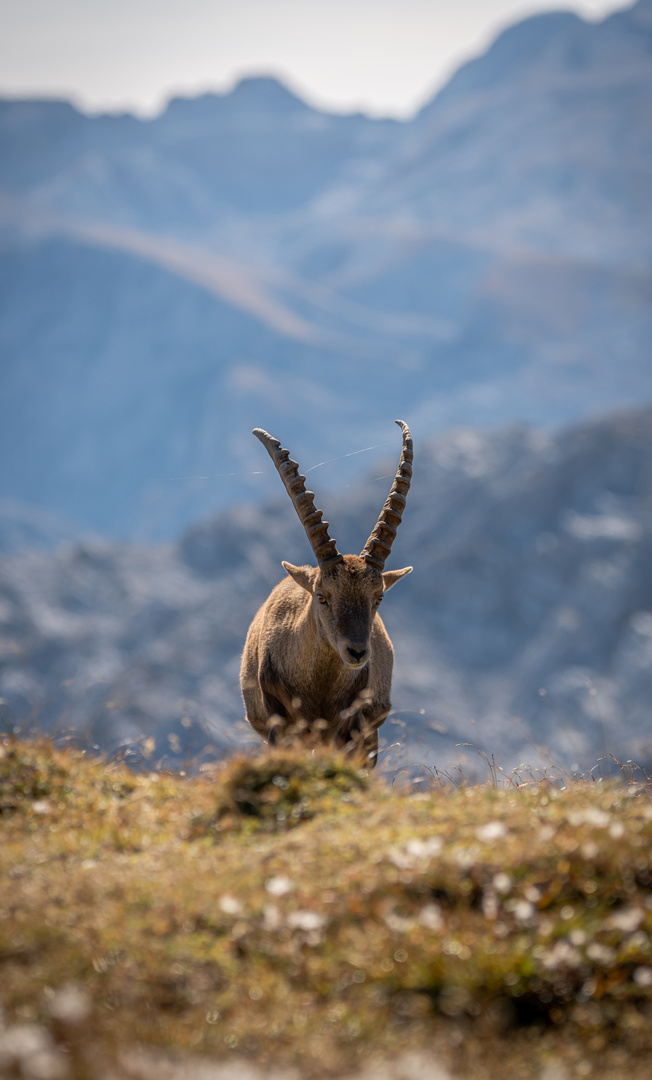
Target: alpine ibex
317	662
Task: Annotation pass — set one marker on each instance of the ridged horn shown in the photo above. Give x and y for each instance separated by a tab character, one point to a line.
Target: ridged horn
379	544
324	548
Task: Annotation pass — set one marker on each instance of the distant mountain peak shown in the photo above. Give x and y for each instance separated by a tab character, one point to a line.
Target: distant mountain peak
253	94
265	91
640	12
545	44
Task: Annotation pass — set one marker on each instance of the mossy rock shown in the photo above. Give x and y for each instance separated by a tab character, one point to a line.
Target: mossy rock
281	789
25	776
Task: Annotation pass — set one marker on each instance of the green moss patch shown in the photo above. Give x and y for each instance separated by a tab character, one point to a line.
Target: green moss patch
279	791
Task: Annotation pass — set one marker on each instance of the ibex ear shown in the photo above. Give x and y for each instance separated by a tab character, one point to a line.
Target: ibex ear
303	575
390	577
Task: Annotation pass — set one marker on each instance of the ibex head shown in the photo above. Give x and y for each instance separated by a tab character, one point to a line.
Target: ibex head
346	590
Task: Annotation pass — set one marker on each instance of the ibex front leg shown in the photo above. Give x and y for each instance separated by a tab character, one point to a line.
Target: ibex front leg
357	732
284	719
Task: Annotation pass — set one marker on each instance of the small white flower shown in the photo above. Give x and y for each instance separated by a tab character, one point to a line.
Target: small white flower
523	910
70	1004
230	906
430	917
306	920
416	850
600	954
425	849
627	919
279	886
401	859
502	883
562	954
398	923
489	904
467	856
271	917
592	815
639	940
493	830
643	977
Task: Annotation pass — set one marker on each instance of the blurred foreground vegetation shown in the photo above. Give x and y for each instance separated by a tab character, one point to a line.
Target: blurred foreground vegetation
288	909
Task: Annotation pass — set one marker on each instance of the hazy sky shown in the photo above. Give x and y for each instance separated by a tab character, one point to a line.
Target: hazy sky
382	56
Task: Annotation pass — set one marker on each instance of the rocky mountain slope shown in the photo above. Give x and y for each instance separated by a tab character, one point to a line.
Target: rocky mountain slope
525	629
244	259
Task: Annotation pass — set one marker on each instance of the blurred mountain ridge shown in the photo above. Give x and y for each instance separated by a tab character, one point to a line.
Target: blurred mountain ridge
245	259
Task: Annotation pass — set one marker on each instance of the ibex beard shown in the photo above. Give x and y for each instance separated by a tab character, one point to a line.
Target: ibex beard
317	662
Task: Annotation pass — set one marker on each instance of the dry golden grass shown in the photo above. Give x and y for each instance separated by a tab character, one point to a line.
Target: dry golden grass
289	909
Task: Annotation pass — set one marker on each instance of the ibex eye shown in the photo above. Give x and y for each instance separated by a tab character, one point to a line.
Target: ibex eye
322	599
379	600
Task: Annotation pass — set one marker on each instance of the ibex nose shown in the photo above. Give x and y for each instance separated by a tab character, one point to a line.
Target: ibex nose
357	654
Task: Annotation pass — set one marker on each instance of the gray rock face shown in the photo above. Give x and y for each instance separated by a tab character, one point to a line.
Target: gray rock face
244	259
525	629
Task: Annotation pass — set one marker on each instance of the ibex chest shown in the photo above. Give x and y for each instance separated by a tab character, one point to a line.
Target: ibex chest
325	695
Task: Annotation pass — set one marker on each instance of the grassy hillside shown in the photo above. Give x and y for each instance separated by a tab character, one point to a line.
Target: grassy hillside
289	909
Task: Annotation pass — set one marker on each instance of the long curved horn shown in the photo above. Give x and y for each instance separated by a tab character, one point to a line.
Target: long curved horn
379	544
303	501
